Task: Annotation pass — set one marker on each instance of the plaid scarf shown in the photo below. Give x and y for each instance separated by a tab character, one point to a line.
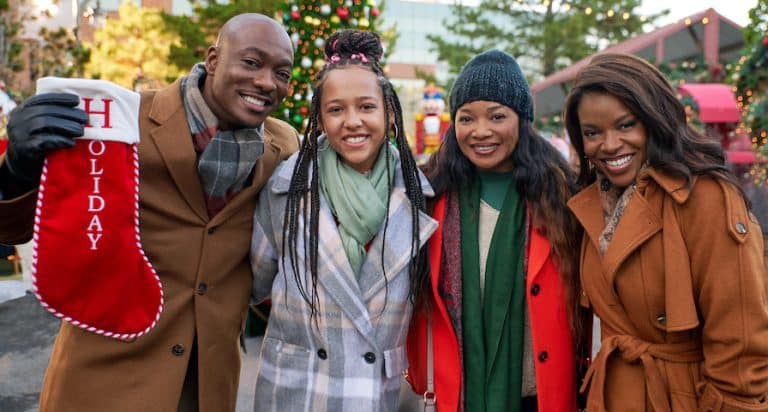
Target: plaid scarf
225	157
614	201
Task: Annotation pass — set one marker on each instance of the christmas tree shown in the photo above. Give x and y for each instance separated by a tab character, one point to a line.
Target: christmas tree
308	24
751	79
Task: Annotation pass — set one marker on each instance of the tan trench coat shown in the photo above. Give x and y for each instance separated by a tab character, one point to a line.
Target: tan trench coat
681	295
204	268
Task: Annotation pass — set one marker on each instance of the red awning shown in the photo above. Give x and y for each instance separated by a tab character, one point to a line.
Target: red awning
716	101
740	157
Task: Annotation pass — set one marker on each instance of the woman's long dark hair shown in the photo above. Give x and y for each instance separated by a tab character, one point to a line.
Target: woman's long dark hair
674	147
345	49
546	182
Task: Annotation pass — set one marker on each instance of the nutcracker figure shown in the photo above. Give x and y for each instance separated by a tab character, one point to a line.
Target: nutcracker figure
431	122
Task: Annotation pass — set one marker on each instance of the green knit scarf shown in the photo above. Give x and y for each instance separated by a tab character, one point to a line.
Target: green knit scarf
358	201
493	332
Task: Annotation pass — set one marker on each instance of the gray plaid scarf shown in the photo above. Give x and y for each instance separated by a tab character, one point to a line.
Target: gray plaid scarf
227	157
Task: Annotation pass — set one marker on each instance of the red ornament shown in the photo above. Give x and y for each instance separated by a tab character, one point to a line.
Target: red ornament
295	15
342	12
303	110
374	12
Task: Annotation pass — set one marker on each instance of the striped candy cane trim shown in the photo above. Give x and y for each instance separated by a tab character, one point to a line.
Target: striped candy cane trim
35	238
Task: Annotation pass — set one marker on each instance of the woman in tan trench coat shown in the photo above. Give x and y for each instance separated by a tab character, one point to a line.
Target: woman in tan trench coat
672	259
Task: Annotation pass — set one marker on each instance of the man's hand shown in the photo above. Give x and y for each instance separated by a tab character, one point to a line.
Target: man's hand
44	122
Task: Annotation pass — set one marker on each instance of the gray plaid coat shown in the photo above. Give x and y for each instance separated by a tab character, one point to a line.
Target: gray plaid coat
351	357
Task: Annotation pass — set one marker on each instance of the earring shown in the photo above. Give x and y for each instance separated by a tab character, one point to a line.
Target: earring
394	126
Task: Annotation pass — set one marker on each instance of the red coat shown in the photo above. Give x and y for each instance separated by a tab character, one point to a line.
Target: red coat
552	339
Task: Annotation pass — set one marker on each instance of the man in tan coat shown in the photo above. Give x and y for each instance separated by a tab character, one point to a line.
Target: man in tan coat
196	236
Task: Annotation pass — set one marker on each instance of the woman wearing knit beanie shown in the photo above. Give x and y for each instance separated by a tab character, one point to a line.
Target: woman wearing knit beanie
504	260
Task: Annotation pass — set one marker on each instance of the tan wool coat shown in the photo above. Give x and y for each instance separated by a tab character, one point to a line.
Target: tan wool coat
681	296
204	268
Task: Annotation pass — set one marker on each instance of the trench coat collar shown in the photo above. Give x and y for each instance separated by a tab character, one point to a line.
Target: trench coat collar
639	222
351	292
673	186
178	154
646	215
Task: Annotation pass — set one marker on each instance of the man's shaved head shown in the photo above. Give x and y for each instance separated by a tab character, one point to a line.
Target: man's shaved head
237	23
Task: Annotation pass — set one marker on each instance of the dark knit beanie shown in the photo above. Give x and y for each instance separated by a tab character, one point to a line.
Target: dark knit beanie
493	76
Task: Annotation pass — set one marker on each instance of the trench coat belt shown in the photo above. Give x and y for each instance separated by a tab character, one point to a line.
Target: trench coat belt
633	349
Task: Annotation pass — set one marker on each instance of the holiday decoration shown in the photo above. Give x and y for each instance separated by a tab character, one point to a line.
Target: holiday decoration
309	24
431	121
751	87
691	71
88	265
6	105
3	133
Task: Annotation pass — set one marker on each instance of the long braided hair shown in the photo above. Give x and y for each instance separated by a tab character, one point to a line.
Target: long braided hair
344	49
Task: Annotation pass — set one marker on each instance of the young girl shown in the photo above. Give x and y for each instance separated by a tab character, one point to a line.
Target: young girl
672	259
337	245
503	262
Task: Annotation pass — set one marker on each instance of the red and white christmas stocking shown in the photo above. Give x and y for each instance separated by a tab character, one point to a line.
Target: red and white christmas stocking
88	264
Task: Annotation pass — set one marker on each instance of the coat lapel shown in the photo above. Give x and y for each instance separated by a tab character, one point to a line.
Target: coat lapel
538	252
586	206
637	225
397	247
174	143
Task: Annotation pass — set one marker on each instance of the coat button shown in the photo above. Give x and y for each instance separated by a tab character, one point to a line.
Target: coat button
202	289
535	289
211	230
322	354
543	356
369	357
177	349
741	228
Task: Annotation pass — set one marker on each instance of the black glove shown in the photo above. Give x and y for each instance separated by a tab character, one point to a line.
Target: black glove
44	122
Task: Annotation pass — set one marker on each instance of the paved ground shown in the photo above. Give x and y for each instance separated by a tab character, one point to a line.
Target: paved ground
26	335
